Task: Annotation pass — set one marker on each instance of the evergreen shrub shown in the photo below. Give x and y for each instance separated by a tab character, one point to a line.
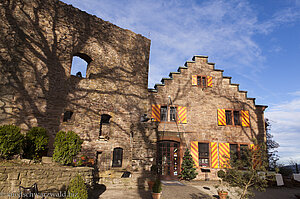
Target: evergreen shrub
36	143
66	147
157	186
77	189
188	171
11	141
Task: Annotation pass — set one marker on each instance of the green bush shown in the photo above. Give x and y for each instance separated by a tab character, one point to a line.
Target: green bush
157	186
11	141
221	174
36	142
66	147
285	171
77	189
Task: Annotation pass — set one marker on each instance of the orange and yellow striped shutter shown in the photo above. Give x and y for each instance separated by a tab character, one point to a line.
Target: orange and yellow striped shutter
182	114
194	152
224	155
221	117
214	155
209	81
194	80
245	118
155	112
256	157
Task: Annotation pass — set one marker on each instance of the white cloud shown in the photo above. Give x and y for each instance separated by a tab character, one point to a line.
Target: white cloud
296	93
224	30
221	29
286	129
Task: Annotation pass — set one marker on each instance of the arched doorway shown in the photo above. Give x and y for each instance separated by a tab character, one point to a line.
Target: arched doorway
168	159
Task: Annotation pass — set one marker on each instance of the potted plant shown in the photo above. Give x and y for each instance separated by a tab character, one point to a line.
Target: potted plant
221	189
156	190
222	194
151	180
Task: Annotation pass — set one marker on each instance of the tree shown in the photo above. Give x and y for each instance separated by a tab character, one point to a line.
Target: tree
272	145
188	172
245	172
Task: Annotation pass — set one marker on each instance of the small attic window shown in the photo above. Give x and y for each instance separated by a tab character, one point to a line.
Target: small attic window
80	63
67	116
105	119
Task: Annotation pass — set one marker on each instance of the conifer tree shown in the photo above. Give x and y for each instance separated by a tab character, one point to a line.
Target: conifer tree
188	172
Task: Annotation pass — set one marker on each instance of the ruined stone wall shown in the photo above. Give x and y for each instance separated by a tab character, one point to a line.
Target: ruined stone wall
202	105
49	179
37	42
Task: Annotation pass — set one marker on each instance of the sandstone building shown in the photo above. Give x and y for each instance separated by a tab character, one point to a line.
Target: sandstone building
124	124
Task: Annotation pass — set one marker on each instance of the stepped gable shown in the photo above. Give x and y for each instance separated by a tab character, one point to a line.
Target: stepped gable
189	64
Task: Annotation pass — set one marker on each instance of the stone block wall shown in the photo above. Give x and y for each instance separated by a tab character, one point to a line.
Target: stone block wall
38	40
202	105
50	180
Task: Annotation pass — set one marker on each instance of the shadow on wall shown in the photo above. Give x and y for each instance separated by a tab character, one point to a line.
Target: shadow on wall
32	65
38	39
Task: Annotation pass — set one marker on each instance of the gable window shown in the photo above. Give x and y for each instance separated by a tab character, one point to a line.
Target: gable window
168	113
173	114
201	81
117	157
228	115
233	117
164	113
67	116
203	150
236	117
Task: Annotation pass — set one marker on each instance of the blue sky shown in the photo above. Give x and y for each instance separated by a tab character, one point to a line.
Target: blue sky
256	42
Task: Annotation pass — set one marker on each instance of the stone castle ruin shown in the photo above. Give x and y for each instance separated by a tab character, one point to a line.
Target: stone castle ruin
124	125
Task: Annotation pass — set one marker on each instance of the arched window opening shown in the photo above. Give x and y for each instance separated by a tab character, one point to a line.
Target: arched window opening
67	116
80	63
117	157
105	119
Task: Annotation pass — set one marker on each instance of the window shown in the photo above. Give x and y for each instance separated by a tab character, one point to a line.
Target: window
173	114
105	118
243	150
67	116
168	111
236	117
80	63
164	113
203	149
201	81
234	151
117	157
233	117
228	117
238	150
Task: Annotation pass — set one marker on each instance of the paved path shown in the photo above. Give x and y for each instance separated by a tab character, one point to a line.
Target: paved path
191	190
